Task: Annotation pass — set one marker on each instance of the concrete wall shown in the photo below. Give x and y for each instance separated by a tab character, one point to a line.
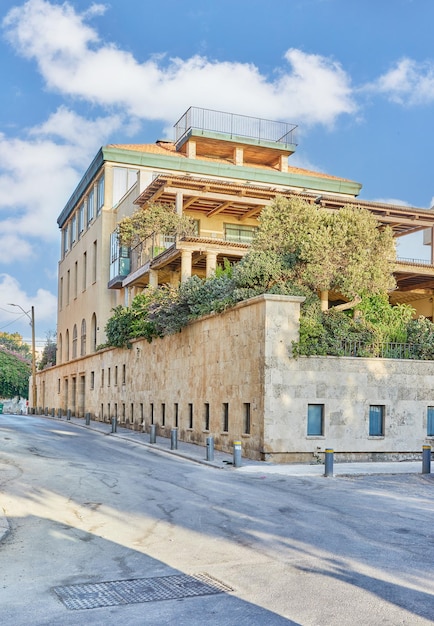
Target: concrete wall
242	360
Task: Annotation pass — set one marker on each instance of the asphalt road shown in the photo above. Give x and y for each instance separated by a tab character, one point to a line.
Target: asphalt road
86	507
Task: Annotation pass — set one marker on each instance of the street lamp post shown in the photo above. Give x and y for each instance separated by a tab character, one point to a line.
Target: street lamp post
31	315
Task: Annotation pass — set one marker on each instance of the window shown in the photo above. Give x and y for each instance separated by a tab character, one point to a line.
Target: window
132	413
163	414
94	261
124	374
116	375
58	385
65	242
152	412
75	280
92	380
190	415
102	378
84	271
100	195
376	420
315	420
80	214
90	206
240	234
176	414
108	376
74	342
225	417
430	422
247	418
83	338
119	257
206	425
123	179
73	229
61	294
68	285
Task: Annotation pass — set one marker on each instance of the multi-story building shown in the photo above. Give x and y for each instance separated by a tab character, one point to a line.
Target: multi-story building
220	170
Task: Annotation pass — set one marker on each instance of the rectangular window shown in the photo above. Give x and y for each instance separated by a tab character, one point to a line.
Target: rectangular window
132	413
75	279
123	412
430	422
152	412
141	413
225	417
108	376
240	234
163	414
58	385
80	214
92	380
102	378
90	206
68	286
190	415
376	420
176	411
61	294
84	271
123	179
315	420
116	375
100	195
124	374
247	418
65	241
73	229
94	261
206	425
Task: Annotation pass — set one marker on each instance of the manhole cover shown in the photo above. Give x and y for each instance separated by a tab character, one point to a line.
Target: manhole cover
96	595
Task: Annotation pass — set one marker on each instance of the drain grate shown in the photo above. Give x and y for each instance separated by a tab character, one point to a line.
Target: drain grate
113	593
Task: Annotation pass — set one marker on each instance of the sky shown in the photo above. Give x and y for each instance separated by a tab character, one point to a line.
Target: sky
356	77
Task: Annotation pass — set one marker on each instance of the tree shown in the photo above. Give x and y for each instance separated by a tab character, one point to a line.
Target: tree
48	357
342	251
15	371
15	343
155	218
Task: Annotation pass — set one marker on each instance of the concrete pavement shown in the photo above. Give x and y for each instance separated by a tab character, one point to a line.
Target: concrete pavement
224	460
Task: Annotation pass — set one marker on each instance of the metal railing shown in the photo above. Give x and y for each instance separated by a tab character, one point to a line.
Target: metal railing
384	350
234	125
150	248
413	261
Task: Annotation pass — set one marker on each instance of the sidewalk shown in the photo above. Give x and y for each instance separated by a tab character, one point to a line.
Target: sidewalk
223	460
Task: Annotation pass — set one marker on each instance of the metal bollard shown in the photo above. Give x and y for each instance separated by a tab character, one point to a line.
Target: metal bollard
328	469
174	439
59	413
153	433
114	424
210	448
52	412
426	459
237	453
68	414
87	419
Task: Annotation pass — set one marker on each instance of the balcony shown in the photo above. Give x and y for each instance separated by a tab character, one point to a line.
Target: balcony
218	134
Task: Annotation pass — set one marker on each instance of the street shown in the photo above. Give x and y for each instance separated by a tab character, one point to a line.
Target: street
86	507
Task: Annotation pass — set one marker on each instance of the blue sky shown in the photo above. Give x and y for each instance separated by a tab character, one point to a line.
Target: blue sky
356	77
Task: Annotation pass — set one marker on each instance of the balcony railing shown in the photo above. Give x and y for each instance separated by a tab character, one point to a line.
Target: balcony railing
150	248
384	350
234	125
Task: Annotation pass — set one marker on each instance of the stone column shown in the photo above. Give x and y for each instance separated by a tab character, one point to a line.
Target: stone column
179	201
211	263
185	265
324	300
153	278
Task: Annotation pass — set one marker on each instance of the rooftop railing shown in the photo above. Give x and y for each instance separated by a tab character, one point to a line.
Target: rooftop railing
234	125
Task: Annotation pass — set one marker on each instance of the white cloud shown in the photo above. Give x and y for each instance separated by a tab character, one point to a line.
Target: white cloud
45	304
72	60
37	174
407	83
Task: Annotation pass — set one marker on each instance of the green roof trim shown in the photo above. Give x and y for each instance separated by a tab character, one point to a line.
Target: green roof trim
204	168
